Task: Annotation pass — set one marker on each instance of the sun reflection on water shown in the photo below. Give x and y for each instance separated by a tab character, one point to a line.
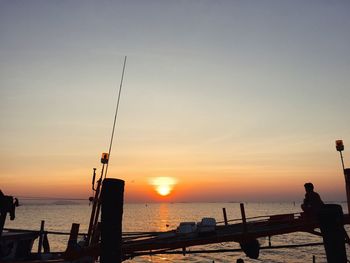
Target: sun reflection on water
163	217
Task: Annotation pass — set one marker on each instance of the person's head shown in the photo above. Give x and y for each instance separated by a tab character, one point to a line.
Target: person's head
309	187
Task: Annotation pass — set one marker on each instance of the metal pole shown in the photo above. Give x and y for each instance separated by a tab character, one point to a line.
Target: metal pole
342	159
339	145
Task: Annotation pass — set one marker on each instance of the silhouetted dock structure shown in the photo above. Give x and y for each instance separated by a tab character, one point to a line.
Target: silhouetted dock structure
106	241
259	227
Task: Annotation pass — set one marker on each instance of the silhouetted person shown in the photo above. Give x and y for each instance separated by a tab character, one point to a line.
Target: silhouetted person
312	202
8	205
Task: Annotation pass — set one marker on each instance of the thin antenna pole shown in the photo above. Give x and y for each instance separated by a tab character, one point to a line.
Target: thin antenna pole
115	116
342	160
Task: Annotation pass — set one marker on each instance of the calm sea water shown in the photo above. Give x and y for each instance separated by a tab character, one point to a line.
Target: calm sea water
60	215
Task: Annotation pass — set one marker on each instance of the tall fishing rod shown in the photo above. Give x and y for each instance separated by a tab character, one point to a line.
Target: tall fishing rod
105	161
115	116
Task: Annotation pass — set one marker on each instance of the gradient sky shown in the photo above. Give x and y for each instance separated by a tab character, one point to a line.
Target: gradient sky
237	100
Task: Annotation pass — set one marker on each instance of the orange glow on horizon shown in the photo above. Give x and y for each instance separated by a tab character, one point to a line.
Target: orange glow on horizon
197	184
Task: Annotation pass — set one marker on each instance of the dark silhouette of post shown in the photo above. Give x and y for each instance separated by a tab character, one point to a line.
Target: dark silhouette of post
73	252
250	246
332	229
41	236
347	186
73	236
112	198
225	216
244	220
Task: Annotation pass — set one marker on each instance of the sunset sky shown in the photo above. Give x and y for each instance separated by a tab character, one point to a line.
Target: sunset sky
233	100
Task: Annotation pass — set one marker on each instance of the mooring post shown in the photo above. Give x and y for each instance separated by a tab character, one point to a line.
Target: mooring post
112	198
250	246
225	216
41	236
244	219
73	251
332	229
73	237
347	186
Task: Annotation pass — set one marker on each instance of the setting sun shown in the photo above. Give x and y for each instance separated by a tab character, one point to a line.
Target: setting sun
163	185
163	190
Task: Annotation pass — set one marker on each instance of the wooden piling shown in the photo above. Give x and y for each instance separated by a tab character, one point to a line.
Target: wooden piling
112	198
46	244
249	245
73	252
225	216
347	186
332	229
41	236
244	219
73	236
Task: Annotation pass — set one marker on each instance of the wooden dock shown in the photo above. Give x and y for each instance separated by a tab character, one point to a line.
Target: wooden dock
173	242
239	232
